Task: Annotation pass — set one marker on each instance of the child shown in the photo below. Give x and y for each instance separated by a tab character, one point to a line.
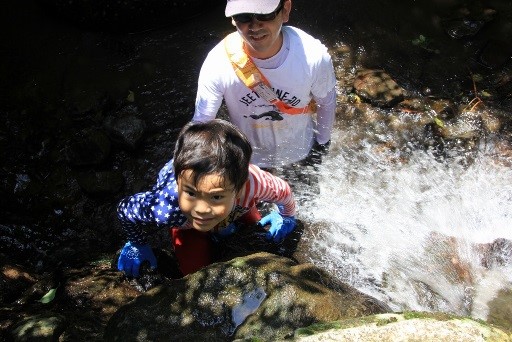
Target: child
206	187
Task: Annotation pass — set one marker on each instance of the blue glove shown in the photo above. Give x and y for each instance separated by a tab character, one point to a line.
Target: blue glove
132	256
280	225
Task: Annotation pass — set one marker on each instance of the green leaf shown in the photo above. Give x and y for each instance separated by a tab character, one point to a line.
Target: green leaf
477	77
439	122
131	96
49	296
422	42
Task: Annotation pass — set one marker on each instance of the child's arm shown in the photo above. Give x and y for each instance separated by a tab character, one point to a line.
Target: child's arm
263	186
156	207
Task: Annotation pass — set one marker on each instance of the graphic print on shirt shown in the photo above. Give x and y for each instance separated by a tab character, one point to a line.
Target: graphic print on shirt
270	115
273	115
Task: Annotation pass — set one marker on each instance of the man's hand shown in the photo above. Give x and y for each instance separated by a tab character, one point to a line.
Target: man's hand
132	256
280	226
317	151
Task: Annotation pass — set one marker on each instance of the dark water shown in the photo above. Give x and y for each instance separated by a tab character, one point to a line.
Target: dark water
59	79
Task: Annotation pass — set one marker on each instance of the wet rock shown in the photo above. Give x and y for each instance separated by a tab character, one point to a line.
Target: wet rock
411	115
495	54
91	295
86	296
27	185
497	253
491	122
428	298
13	281
458	29
503	154
61	187
412	326
500	310
127	130
378	88
89	147
41	327
101	182
442	108
466	125
467	21
259	296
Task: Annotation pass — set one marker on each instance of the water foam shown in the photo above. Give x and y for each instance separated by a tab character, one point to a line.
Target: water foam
415	235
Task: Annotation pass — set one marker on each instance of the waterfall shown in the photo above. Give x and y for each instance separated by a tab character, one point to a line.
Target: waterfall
418	234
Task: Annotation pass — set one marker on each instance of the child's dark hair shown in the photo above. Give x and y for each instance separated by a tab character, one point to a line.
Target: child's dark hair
215	146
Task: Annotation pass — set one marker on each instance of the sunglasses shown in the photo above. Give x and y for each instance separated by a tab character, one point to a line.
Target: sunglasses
247	17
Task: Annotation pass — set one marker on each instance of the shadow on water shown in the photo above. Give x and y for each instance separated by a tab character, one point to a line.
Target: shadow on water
127	16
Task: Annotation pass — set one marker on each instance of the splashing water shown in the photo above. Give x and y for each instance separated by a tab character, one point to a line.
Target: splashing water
421	235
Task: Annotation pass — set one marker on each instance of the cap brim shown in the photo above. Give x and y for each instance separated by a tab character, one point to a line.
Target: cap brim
250	6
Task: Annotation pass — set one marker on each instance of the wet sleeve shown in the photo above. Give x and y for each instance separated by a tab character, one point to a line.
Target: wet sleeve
209	89
263	186
324	94
326	113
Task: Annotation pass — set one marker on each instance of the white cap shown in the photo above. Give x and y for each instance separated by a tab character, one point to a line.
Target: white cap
250	6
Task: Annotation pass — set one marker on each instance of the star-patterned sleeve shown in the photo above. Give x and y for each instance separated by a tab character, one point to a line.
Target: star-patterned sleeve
263	186
159	207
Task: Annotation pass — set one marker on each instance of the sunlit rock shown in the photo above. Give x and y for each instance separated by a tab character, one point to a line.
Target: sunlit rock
259	296
41	327
378	88
412	326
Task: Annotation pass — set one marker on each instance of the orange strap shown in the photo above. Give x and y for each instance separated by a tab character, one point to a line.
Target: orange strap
252	77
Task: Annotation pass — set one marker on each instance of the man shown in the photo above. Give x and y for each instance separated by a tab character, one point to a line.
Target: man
273	78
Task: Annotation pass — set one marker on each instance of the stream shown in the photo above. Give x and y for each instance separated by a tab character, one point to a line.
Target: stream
414	230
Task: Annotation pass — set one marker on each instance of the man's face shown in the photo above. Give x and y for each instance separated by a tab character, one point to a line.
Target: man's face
206	204
263	39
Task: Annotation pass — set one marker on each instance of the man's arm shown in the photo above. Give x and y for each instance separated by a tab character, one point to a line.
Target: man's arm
326	112
209	92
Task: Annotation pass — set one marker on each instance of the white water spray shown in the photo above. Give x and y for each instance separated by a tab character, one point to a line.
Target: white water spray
420	235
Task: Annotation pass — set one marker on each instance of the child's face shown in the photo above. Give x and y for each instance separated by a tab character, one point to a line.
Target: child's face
207	204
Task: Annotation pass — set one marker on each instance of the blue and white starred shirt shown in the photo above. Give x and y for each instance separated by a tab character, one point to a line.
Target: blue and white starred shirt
158	206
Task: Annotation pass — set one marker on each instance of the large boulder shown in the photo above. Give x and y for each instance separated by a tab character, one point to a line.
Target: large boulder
261	296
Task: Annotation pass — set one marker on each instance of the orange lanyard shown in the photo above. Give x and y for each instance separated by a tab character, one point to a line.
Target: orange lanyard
252	77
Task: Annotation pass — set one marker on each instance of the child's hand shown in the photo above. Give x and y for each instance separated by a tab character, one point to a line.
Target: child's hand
280	226
132	256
